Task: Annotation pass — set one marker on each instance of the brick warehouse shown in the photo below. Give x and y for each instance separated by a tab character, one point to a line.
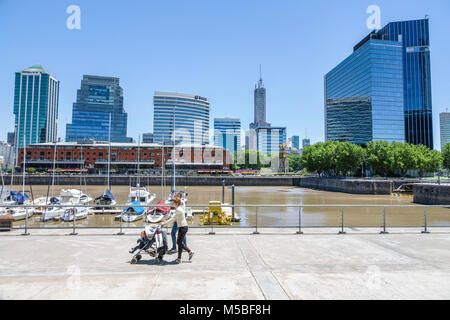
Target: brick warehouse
93	156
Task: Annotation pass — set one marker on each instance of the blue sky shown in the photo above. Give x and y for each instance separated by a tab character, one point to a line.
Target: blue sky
211	48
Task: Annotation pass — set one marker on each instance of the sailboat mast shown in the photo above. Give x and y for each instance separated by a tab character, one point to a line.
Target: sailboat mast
109	148
173	154
54	168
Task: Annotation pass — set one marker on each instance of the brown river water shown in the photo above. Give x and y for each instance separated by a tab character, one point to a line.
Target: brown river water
267	217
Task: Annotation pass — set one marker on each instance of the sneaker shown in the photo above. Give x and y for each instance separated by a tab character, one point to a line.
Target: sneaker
173	250
132	250
157	260
178	260
191	254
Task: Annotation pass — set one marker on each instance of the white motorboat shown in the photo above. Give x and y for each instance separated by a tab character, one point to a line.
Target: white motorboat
17	209
137	196
77	212
74	196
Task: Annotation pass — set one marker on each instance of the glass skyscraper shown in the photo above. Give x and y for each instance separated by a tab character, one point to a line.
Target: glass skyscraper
97	98
36	95
444	119
269	139
190	113
414	37
227	133
382	91
296	142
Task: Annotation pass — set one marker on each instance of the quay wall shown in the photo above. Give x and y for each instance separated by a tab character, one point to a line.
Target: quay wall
156	181
354	186
432	194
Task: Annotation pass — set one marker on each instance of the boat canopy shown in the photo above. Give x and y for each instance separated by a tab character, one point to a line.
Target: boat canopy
106	196
138	210
18	197
54	200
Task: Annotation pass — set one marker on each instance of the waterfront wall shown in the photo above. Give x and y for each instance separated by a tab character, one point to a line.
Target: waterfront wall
156	181
432	194
346	185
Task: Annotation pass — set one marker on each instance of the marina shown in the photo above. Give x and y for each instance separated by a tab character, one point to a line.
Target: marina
283	216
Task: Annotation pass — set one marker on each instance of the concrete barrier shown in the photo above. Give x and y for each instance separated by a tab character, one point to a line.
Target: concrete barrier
432	194
346	185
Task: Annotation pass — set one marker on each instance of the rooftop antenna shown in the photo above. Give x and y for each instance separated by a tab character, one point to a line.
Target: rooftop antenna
260	82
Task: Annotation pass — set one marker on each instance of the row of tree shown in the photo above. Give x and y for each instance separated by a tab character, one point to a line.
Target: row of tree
334	158
380	157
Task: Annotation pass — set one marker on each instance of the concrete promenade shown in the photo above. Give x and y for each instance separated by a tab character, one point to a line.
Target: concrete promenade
233	264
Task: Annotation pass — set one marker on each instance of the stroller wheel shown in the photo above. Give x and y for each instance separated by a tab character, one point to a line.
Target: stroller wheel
133	261
138	257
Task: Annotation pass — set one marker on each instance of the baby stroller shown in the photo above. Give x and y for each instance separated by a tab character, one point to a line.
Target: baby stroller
155	244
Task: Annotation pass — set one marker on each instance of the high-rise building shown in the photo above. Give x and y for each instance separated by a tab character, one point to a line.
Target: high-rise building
385	79
10	138
444	119
190	113
97	99
414	37
270	138
259	105
36	95
227	133
306	143
296	142
147	138
364	95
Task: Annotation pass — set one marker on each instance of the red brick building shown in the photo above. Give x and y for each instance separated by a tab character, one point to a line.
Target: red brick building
124	156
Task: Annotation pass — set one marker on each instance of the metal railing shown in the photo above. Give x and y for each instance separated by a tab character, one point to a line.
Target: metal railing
300	226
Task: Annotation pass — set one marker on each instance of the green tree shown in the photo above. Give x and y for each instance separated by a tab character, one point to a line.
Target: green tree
295	162
348	157
380	157
446	156
427	160
404	157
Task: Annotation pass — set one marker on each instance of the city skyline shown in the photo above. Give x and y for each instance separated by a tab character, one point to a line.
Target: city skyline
294	77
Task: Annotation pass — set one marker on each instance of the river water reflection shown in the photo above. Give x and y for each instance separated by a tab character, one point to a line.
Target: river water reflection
282	216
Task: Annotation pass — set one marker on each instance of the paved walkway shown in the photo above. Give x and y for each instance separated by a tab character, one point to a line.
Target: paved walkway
276	264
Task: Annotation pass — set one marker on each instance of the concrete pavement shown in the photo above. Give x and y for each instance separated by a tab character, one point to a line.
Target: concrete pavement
233	264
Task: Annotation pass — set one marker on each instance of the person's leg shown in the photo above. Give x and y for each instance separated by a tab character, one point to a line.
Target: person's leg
181	235
173	234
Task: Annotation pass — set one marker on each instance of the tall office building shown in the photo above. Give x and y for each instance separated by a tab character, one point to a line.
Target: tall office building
190	113
259	105
10	138
36	95
444	119
270	138
414	37
295	142
97	98
227	133
147	137
364	95
306	143
382	90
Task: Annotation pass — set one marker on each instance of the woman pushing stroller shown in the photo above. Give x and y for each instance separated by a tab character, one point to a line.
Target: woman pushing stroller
180	219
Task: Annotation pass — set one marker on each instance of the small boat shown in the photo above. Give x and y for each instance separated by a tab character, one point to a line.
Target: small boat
18	211
53	212
133	212
77	212
158	213
74	196
107	199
